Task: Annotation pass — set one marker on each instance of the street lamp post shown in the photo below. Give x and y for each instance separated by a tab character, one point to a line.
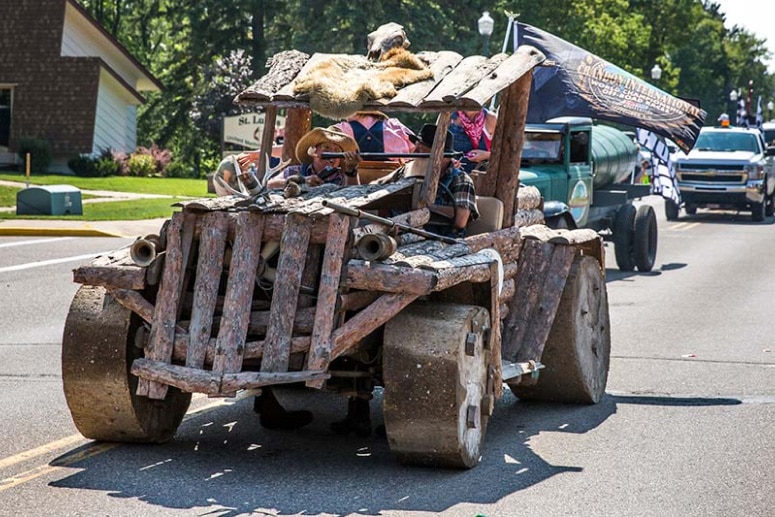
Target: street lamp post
770	107
486	25
656	73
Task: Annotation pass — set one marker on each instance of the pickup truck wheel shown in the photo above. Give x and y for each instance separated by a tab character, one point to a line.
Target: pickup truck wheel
435	369
98	348
578	350
671	210
690	208
624	226
645	238
769	207
757	212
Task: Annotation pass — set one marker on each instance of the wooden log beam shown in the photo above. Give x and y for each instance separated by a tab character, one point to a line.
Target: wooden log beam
293	250
544	269
502	178
372	276
529	198
431	182
162	335
115	269
367	321
331	272
267	139
212	243
356	300
194	380
253	349
526	218
133	301
229	347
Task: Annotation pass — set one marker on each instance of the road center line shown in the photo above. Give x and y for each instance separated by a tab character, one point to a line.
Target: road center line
91	450
51	262
36	241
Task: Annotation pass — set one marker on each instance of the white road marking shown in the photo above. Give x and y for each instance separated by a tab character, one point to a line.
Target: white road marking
51	262
36	241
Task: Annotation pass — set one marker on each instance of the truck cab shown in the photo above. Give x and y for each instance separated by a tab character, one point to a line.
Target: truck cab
559	175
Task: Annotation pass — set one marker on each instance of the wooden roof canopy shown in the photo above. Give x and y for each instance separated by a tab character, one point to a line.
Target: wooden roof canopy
458	83
465	84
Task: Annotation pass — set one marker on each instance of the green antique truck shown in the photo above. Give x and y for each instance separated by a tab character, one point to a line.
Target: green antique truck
584	173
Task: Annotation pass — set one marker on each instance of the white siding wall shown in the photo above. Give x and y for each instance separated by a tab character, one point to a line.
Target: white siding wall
115	126
81	39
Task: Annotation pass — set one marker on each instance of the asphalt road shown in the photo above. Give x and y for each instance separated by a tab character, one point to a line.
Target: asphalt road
685	428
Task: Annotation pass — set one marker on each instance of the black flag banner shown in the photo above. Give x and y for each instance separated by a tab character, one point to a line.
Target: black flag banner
576	82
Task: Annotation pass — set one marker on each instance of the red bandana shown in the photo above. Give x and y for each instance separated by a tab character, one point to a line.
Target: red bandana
473	128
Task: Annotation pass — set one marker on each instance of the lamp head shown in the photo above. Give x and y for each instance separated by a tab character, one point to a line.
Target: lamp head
486	24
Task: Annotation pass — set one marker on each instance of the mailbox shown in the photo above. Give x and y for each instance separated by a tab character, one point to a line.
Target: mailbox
49	200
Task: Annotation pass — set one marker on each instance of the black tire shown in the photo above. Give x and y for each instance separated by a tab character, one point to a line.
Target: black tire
624	224
645	238
671	210
577	353
769	207
97	351
758	211
690	208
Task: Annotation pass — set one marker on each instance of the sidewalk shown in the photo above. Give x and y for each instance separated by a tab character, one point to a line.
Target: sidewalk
48	226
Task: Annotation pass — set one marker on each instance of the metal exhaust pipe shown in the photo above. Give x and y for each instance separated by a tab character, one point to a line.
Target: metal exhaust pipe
143	251
376	246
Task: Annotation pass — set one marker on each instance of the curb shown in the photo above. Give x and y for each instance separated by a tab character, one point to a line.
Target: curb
55	232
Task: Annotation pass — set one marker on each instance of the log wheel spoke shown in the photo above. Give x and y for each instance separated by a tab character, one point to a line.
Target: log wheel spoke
98	348
436	403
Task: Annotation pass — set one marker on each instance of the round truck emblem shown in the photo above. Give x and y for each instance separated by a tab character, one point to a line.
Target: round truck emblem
579	201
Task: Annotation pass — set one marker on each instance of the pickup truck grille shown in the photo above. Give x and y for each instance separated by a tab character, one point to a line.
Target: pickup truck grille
712	176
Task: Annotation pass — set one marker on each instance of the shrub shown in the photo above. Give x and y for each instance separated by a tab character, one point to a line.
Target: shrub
40	153
84	166
161	157
180	170
141	165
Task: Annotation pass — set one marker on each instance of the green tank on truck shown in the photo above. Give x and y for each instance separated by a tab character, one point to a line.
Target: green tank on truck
584	172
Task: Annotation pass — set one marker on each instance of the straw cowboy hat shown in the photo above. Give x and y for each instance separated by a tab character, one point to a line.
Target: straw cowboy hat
320	135
369	113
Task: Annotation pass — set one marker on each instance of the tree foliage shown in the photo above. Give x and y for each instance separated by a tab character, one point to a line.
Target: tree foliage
199	50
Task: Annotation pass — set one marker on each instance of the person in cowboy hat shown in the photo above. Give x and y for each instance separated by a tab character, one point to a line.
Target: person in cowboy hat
314	170
375	132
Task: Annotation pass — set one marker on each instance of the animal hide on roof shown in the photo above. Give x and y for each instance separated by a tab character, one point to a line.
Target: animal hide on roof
339	86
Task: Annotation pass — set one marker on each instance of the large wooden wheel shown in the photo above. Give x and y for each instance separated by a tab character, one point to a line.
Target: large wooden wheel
97	351
435	371
578	350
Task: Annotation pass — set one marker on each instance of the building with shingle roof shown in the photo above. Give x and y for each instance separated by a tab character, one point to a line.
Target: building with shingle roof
66	80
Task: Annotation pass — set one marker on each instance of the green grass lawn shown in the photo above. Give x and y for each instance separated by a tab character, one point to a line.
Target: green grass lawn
180	189
131	210
169	186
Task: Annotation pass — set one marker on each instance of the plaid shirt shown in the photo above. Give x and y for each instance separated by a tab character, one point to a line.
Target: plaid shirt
461	186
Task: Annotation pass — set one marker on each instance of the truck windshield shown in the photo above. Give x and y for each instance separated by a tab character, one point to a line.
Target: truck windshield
544	146
720	141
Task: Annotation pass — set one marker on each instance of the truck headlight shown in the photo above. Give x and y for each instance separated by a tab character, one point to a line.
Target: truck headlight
755	171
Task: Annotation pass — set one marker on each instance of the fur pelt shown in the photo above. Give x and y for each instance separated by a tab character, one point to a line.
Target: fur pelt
339	86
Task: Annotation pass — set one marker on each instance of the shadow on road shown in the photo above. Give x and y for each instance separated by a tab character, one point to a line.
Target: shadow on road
223	463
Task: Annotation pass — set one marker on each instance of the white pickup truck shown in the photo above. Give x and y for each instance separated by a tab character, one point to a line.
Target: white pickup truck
728	168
